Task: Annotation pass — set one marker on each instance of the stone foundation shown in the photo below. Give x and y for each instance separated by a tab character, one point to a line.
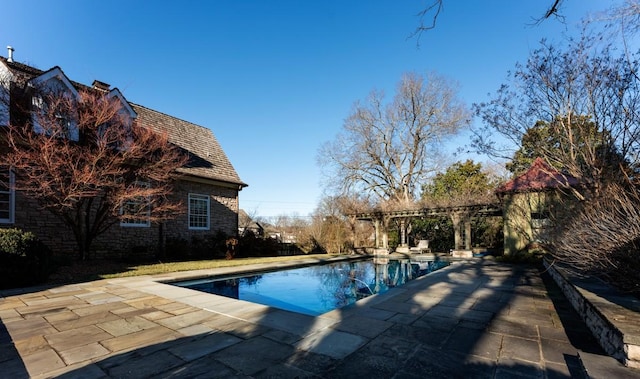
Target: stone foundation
462	253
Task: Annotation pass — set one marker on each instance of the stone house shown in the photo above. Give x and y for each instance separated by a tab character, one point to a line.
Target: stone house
208	184
530	203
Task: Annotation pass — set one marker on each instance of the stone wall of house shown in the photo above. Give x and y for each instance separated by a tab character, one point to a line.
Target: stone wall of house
133	241
30	216
223	203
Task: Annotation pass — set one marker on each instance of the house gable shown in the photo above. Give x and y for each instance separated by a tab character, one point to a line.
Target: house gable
54	79
125	104
539	177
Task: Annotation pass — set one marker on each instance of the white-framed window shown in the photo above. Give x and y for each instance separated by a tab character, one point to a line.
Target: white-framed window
541	223
37	102
7	195
68	126
198	212
136	212
4	104
540	220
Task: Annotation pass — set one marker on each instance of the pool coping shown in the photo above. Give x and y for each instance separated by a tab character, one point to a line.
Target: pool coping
242	271
307	327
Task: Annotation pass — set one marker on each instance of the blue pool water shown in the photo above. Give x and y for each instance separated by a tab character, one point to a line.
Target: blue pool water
314	290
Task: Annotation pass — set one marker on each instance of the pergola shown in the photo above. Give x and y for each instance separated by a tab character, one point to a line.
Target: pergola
461	217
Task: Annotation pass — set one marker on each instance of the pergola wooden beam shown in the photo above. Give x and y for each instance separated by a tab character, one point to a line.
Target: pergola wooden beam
478	209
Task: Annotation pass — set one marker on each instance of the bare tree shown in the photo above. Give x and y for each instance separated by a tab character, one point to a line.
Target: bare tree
428	15
335	227
578	106
85	161
389	148
626	17
602	237
586	99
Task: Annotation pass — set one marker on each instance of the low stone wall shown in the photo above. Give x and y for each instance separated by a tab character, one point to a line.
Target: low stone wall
612	317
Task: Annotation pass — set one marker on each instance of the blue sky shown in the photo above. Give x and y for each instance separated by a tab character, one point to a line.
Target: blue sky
275	79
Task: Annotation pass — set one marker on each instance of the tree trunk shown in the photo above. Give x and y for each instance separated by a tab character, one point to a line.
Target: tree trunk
161	243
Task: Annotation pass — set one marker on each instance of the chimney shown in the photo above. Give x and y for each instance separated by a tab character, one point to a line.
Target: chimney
100	86
10	54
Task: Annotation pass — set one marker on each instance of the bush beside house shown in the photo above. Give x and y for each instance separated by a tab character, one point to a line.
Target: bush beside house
24	259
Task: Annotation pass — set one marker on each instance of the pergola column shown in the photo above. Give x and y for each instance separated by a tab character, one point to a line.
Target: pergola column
457	237
467	233
385	238
385	233
381	233
403	232
376	226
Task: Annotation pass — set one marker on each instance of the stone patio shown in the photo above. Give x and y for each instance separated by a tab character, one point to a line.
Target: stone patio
475	318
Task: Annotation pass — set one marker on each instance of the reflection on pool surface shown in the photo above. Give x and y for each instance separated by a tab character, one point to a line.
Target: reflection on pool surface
314	290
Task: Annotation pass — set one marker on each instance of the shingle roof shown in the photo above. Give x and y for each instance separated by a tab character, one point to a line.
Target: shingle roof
23	72
207	159
539	177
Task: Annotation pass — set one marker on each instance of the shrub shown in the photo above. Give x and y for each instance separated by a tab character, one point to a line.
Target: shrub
175	249
215	247
207	247
15	241
601	236
24	260
251	245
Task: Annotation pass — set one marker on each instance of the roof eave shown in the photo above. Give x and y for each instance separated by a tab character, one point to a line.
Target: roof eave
217	182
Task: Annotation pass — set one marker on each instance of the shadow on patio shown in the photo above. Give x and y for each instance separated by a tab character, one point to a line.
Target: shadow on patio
10	361
478	319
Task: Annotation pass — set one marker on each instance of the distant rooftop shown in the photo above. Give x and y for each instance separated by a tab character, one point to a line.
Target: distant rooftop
539	177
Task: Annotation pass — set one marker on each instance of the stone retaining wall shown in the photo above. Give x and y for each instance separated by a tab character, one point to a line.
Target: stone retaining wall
613	318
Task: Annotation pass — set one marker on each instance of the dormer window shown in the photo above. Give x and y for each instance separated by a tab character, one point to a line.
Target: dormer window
68	126
38	109
50	88
38	103
58	124
121	137
4	103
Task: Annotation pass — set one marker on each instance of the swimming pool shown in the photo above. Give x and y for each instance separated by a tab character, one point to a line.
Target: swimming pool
314	290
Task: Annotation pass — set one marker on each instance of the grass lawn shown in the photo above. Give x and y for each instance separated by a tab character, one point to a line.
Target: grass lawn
101	269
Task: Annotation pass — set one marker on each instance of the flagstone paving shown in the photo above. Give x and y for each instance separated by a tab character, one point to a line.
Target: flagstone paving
472	319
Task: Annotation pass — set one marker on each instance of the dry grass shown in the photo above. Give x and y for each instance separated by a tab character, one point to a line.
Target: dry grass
95	270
